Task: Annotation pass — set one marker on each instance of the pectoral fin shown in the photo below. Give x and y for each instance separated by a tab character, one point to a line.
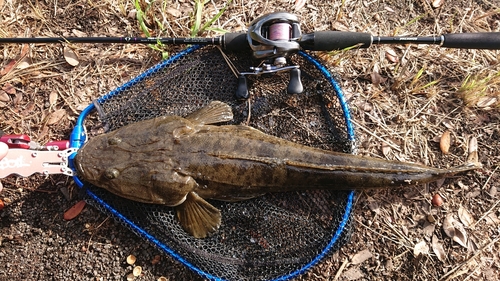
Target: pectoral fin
198	217
215	112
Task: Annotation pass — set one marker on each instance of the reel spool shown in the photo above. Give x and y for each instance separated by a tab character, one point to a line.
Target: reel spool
273	37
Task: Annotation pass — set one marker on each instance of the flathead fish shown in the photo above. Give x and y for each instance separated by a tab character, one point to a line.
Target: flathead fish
180	162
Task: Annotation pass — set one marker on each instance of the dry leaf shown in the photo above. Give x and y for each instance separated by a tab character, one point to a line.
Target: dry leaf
174	12
70	56
23	64
438	248
79	33
421	248
17	98
391	55
429	228
4	97
74	211
56	116
484	102
373	205
444	142
53	98
353	273
440	182
377	78
455	230
299	4
386	149
465	217
492	219
9	89
437	3
361	256
8	67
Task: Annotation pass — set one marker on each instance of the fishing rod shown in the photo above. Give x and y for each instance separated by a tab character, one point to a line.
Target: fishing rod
276	36
316	41
282	31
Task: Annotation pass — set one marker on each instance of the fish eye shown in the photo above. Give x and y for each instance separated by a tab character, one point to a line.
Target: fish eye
111	174
114	141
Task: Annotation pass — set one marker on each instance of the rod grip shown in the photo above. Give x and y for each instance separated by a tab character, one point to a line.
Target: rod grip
334	40
235	42
481	40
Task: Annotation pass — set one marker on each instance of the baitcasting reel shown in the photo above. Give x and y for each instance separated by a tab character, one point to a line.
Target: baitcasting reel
273	37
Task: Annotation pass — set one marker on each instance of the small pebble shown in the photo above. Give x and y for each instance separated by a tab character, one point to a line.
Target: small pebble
130	277
131	259
137	271
156	260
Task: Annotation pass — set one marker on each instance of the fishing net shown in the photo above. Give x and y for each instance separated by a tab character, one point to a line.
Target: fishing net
276	236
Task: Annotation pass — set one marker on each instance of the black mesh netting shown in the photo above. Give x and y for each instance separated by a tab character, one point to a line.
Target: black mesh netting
273	236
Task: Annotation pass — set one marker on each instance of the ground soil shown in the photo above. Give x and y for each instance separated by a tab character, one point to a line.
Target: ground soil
403	98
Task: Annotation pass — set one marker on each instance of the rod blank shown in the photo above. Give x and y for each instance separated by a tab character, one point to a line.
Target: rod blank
317	41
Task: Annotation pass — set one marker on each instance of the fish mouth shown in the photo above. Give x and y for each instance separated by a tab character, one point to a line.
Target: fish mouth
84	172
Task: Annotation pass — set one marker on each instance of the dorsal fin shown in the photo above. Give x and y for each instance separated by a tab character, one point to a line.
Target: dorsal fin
215	112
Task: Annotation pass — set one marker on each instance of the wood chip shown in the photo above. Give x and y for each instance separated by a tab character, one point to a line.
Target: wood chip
437	3
444	142
455	230
353	273
386	149
438	249
473	154
53	98
299	4
421	248
70	56
361	256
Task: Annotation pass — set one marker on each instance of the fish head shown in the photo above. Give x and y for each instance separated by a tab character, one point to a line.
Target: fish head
134	165
102	164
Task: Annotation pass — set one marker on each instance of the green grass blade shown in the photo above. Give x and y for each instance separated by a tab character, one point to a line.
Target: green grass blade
140	19
198	8
208	24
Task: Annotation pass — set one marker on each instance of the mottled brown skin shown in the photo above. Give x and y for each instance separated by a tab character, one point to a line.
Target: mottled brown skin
161	160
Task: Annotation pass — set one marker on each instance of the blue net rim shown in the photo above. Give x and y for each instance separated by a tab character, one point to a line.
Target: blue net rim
78	137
